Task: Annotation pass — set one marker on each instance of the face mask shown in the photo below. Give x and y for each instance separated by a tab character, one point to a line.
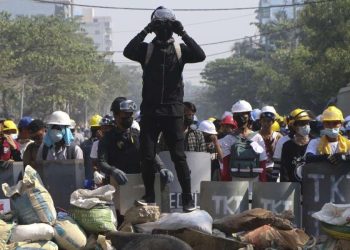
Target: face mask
127	122
56	135
304	130
331	132
188	121
163	31
14	136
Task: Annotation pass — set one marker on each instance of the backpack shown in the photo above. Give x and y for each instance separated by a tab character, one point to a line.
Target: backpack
70	151
244	161
150	48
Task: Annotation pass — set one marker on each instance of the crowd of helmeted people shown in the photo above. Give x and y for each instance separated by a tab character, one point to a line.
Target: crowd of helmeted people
244	143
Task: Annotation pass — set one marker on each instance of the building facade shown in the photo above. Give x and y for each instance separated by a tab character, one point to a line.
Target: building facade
98	28
268	12
31	7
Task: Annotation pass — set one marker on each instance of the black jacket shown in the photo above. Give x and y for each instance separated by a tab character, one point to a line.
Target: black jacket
120	149
163	87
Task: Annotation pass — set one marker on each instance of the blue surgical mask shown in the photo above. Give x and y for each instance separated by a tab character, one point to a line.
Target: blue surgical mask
331	132
56	135
304	130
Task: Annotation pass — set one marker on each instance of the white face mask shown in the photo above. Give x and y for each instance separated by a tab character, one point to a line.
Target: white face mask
304	130
331	132
14	136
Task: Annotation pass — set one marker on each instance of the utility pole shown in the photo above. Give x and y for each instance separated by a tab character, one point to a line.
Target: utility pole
22	96
71	8
294	39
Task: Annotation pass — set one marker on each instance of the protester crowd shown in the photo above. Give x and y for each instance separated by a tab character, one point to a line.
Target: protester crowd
243	143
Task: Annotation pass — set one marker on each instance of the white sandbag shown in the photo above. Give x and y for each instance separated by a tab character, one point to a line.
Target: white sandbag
32	233
68	234
87	199
31	201
198	220
40	245
5	233
334	214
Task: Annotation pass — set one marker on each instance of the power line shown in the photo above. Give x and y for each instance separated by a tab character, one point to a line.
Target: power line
219	53
248	37
182	9
192	24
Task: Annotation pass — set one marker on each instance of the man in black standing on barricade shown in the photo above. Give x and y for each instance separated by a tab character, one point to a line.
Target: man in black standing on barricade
162	109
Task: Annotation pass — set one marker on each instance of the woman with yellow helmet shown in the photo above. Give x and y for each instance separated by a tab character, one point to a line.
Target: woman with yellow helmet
9	147
293	149
332	146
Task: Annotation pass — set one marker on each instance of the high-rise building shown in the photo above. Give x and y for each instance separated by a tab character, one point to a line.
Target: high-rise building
267	11
98	28
33	7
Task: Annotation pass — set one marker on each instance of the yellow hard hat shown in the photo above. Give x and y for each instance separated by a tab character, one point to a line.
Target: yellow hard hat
212	119
332	113
276	127
298	115
95	121
10	125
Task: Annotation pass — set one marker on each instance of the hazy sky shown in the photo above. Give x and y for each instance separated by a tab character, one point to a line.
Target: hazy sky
204	27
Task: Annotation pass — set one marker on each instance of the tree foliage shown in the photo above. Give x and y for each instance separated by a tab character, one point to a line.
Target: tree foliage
297	63
58	65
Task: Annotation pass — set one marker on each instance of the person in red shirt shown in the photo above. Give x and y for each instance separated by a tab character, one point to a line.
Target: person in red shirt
9	147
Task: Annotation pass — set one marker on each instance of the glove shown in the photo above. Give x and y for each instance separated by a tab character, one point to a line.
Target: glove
119	176
178	28
335	159
166	175
98	178
149	28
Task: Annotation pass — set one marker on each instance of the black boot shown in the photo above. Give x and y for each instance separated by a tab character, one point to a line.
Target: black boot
146	200
187	203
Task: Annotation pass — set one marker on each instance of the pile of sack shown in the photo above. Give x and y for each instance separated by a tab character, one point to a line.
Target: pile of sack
335	222
91	223
264	229
35	224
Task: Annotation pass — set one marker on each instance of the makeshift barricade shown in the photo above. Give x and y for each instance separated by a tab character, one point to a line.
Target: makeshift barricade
125	195
61	178
200	166
224	198
323	183
278	198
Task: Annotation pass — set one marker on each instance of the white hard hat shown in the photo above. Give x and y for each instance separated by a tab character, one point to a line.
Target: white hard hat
207	127
268	109
163	14
241	106
73	124
59	118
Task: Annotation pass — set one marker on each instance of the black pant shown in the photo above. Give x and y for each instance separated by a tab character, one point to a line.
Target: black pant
174	138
